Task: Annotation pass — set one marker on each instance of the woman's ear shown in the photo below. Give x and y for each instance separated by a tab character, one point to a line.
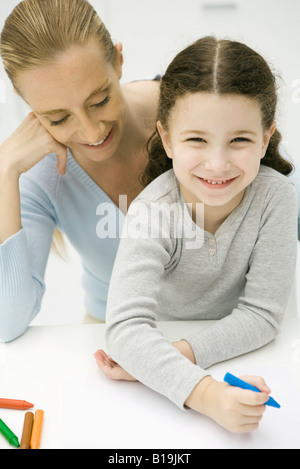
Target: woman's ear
164	135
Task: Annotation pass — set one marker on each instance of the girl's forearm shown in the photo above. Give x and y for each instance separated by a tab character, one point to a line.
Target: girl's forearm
185	349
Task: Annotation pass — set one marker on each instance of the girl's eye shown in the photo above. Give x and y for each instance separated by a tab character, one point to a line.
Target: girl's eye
61	121
196	139
240	139
102	103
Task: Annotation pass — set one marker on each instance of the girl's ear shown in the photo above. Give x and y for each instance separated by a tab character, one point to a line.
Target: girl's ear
164	135
267	137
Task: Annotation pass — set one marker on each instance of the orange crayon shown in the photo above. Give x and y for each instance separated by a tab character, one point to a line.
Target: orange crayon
37	429
14	404
27	429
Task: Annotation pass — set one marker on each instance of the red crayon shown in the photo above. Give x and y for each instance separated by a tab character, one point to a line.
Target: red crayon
14	404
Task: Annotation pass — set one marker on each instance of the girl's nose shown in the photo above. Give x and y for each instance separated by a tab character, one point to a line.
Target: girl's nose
217	161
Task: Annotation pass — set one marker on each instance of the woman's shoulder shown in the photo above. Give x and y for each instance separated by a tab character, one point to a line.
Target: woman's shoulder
143	96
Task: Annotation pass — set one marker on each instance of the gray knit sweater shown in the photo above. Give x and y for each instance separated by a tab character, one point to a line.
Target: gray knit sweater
241	276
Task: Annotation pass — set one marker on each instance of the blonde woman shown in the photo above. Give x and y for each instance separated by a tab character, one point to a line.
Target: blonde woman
81	147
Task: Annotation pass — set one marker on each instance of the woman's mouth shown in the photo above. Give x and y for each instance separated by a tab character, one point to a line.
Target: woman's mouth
102	143
216	183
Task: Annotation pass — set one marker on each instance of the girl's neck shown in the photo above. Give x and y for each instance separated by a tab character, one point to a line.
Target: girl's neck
214	217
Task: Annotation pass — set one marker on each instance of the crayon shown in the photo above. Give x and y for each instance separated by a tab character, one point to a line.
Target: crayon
234	381
14	404
27	429
9	435
37	429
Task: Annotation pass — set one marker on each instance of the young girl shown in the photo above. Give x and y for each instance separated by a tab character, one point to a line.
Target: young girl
216	145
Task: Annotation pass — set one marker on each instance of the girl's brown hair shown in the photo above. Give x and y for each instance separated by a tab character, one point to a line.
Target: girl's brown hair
223	67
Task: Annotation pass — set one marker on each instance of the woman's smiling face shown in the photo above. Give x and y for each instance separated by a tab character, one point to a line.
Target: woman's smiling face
216	143
78	100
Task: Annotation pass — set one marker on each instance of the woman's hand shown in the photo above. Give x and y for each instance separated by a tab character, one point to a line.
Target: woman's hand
29	144
110	368
238	410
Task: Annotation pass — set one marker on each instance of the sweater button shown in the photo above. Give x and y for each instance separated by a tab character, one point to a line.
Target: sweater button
212	252
211	242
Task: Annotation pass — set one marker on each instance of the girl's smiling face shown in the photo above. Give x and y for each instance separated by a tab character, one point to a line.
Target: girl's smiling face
216	143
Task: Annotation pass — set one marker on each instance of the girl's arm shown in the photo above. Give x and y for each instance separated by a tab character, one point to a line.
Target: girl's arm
138	347
258	316
132	338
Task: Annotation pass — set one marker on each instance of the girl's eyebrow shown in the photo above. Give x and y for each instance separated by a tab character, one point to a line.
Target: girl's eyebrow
251	132
94	93
202	132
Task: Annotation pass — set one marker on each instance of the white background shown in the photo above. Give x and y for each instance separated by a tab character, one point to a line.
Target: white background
152	32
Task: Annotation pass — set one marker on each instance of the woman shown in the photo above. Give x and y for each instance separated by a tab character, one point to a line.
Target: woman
62	62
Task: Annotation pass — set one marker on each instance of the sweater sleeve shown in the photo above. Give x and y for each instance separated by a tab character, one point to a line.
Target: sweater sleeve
260	311
132	337
23	259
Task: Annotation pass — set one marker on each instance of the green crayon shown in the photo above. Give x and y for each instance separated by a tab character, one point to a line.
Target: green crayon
9	435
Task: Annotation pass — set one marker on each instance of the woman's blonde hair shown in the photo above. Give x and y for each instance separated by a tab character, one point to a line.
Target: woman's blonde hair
38	30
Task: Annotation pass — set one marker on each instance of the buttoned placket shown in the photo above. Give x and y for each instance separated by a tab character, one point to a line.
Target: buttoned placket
212	250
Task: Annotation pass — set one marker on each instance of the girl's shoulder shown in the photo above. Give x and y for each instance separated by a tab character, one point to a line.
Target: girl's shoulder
271	188
162	189
270	180
270	173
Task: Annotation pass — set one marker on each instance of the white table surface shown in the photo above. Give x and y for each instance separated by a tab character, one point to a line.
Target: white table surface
54	368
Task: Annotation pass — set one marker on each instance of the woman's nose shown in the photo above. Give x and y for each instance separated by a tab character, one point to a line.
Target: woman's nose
91	131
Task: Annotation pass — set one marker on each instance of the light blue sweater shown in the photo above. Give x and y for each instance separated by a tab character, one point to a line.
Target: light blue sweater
74	204
71	203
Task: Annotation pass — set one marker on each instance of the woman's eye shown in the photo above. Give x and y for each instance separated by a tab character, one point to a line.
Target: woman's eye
61	121
102	103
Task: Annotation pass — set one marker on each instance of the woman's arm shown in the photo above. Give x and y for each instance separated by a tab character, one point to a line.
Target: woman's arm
25	232
23	259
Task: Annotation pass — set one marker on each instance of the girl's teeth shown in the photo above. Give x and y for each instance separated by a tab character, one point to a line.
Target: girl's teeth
214	182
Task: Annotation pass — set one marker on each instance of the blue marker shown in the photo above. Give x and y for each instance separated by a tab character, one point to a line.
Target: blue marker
233	381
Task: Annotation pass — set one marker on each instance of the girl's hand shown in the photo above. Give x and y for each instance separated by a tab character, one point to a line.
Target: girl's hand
238	410
29	144
110	368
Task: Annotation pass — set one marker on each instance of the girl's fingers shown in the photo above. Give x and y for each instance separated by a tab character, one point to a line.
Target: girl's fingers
258	382
252	410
